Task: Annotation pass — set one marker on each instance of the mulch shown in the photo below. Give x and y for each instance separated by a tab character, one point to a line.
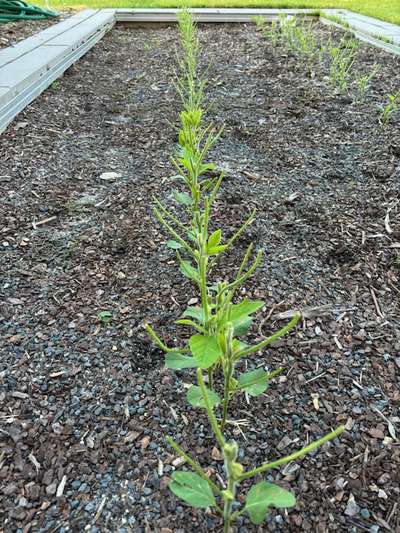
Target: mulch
85	402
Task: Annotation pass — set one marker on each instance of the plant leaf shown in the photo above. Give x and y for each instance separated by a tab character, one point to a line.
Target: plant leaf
195	312
183	198
245	308
195	397
176	361
174	245
205	349
264	495
188	270
254	382
213	250
214	239
192	489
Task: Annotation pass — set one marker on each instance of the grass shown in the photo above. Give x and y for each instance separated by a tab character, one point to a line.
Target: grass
388	10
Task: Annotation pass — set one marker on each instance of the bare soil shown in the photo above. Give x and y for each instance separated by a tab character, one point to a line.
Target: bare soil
85	405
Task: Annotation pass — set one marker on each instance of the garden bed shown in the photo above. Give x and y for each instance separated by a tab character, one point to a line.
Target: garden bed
85	401
13	32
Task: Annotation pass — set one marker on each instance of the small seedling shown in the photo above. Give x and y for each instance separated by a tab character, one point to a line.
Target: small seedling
364	83
270	30
342	58
104	317
390	109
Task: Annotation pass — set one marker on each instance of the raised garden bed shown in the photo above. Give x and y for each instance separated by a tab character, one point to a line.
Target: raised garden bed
85	401
14	32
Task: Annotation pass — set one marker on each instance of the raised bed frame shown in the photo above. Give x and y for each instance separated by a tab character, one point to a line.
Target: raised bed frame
29	67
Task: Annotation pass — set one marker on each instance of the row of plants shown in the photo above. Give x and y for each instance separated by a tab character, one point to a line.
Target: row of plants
216	351
297	36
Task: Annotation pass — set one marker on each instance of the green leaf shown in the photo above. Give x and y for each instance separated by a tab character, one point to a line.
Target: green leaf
214	250
177	361
195	312
192	489
254	382
245	308
174	245
239	315
205	350
188	270
264	495
183	198
195	397
214	239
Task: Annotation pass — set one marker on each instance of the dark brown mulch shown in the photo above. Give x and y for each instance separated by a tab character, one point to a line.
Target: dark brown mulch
88	404
14	32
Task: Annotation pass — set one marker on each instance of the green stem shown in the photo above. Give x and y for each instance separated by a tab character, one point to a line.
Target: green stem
210	412
196	467
293	456
227	378
272	338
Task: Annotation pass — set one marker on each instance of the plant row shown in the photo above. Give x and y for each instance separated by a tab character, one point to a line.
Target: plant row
293	34
217	349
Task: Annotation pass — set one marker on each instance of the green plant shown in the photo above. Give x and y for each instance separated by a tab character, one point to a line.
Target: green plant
389	109
270	30
221	320
342	60
364	82
198	490
104	317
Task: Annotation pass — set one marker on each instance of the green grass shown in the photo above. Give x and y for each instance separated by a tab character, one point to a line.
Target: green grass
388	10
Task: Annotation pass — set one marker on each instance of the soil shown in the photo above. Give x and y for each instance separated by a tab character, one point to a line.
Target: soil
85	402
13	32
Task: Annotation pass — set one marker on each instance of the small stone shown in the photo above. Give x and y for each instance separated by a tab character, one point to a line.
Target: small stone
109	176
352	509
365	513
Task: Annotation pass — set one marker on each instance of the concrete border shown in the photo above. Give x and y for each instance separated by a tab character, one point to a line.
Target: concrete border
29	67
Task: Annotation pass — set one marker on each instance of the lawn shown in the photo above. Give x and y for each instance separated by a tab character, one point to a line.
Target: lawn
385	9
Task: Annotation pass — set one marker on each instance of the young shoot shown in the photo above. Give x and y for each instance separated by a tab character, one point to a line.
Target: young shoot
389	109
342	58
363	83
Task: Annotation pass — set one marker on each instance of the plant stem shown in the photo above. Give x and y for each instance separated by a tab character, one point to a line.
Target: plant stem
293	456
210	412
196	467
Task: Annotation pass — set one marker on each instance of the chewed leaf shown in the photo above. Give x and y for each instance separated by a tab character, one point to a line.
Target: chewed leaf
264	495
254	382
192	489
174	245
205	349
177	361
195	397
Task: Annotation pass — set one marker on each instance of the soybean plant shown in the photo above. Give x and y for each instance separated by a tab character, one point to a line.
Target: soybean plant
221	319
270	30
363	83
199	490
388	110
342	60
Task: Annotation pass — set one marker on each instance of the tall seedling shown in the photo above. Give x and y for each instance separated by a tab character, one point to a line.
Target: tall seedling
218	322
